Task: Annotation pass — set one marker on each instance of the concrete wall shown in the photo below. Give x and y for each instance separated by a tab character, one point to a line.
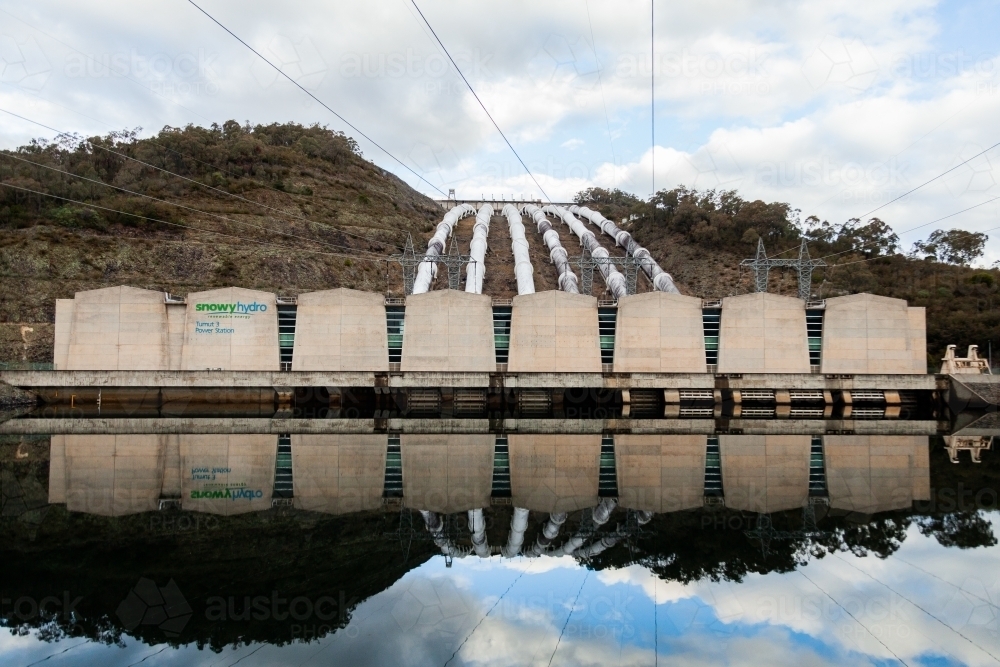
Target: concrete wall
63	329
240	468
870	474
661	473
763	333
340	330
118	328
865	333
338	474
176	319
448	330
765	473
658	332
554	331
447	473
246	341
107	475
554	473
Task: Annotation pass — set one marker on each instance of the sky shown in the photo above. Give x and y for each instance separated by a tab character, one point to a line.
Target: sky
923	605
836	108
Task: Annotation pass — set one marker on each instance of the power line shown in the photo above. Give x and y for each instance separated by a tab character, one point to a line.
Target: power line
950	215
484	618
652	102
321	102
893	590
459	70
944	173
600	82
848	612
191	180
571	610
197	229
183	206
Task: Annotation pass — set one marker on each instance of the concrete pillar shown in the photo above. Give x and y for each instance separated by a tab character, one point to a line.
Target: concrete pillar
63	332
448	330
763	333
659	332
865	333
113	475
340	330
232	329
554	331
118	328
227	474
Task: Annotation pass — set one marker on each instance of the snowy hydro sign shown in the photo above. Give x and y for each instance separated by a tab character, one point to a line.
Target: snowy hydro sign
214	317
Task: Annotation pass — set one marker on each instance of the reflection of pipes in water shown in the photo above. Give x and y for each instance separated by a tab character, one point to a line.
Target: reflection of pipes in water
477	526
662	282
598	517
476	269
548	534
642	518
515	539
519	246
435	526
427	270
612	276
567	279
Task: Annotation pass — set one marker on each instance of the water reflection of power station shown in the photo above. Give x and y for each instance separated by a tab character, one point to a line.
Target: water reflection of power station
553	476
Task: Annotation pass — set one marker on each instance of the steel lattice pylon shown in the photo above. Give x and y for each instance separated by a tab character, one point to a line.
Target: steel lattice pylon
629	266
761	265
409	260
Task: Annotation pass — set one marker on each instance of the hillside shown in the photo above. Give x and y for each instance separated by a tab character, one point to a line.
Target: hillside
289	209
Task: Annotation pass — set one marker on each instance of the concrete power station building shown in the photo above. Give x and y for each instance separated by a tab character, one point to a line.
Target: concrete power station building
233	329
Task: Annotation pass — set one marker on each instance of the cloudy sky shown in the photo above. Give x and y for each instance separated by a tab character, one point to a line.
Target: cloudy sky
836	108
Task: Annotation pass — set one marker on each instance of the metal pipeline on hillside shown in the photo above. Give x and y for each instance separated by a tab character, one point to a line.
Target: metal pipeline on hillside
519	246
612	276
568	281
426	271
477	525
476	269
515	539
662	281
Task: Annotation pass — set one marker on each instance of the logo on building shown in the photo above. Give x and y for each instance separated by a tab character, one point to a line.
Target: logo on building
238	308
149	604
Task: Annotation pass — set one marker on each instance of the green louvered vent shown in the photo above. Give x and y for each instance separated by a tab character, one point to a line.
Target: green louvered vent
501	332
393	485
713	469
286	335
283	467
607	481
710	320
394	329
606	318
817	467
501	468
814	331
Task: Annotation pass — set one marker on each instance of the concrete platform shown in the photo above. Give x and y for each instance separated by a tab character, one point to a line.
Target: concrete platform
865	333
113	328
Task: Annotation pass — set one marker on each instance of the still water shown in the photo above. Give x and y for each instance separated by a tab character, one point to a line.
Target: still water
676	545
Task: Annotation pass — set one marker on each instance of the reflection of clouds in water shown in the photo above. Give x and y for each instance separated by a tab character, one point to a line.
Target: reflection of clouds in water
780	618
